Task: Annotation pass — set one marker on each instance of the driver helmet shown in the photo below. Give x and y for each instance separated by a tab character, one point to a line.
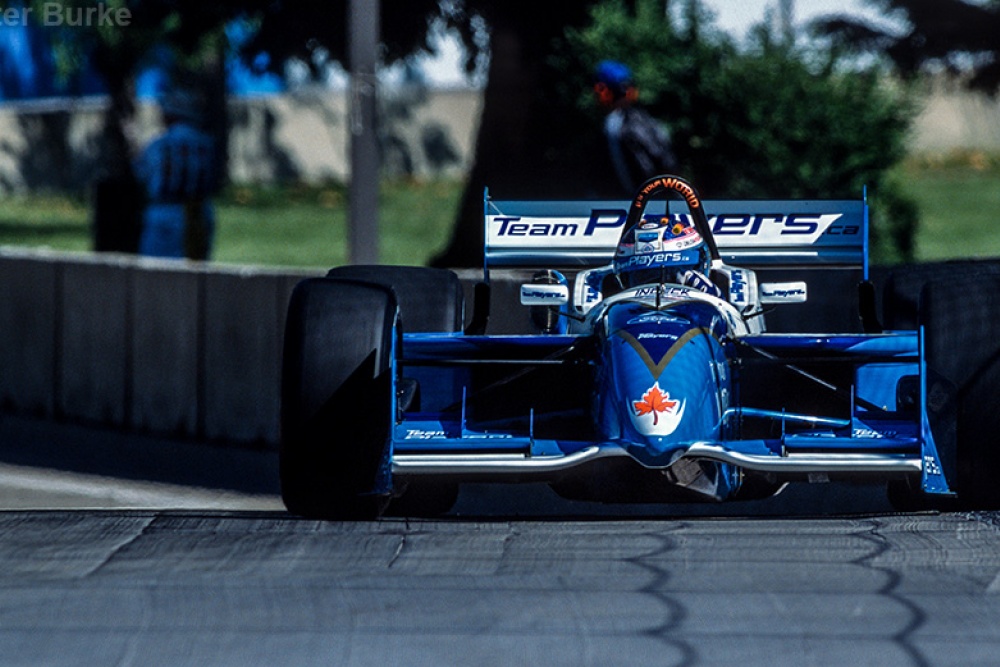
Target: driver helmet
657	251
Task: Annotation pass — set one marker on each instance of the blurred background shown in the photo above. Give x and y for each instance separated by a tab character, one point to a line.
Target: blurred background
762	98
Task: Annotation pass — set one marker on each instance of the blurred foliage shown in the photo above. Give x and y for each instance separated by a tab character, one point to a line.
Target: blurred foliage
314	32
768	120
960	37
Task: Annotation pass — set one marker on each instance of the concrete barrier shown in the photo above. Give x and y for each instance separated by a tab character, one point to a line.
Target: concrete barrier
55	144
91	353
177	348
244	320
190	349
29	306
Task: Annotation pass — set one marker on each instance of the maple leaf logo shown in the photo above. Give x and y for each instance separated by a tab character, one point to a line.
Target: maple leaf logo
654	401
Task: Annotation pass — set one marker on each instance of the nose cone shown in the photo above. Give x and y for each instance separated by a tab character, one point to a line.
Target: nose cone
669	379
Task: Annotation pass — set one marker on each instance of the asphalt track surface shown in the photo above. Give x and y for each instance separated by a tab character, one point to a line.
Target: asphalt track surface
123	550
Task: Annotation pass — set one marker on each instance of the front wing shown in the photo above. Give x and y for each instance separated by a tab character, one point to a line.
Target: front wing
806	407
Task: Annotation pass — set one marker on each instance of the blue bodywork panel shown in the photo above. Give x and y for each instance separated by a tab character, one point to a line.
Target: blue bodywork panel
687	386
655	381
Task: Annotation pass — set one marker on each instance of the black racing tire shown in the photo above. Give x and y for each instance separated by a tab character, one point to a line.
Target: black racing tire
963	357
430	301
902	288
336	399
958	304
905	495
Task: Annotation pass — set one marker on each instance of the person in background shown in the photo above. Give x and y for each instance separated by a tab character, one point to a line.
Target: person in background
638	146
179	179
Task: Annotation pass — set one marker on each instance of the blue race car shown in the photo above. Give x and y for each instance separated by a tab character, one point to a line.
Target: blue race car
649	373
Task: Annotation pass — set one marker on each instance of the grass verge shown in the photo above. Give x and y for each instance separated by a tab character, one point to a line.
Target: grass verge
294	226
958	197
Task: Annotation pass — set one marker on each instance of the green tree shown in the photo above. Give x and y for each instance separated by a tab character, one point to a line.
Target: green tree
959	36
954	36
768	120
119	48
524	126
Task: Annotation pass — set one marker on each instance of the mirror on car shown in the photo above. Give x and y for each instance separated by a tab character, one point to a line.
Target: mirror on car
783	292
544	295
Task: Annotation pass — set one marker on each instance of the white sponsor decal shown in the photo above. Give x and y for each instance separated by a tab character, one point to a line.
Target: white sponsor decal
656	414
603	228
421	434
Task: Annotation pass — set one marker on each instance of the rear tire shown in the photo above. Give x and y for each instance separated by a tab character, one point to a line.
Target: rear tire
430	300
337	399
901	293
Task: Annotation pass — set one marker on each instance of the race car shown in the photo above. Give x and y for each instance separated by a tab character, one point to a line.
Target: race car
656	367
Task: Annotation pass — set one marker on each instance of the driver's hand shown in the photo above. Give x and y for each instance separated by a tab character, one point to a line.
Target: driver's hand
698	281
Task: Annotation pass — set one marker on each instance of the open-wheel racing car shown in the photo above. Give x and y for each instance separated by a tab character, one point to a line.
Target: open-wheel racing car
647	375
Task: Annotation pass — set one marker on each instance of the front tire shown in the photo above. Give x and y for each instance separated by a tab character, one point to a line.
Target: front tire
336	409
963	358
430	301
958	304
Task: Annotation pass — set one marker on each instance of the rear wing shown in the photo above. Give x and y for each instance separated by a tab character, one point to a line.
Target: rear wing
749	233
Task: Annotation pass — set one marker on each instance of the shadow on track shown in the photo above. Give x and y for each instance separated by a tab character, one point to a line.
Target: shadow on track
74	448
93	451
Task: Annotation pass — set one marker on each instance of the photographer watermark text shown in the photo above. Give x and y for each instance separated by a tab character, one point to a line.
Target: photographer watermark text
57	14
